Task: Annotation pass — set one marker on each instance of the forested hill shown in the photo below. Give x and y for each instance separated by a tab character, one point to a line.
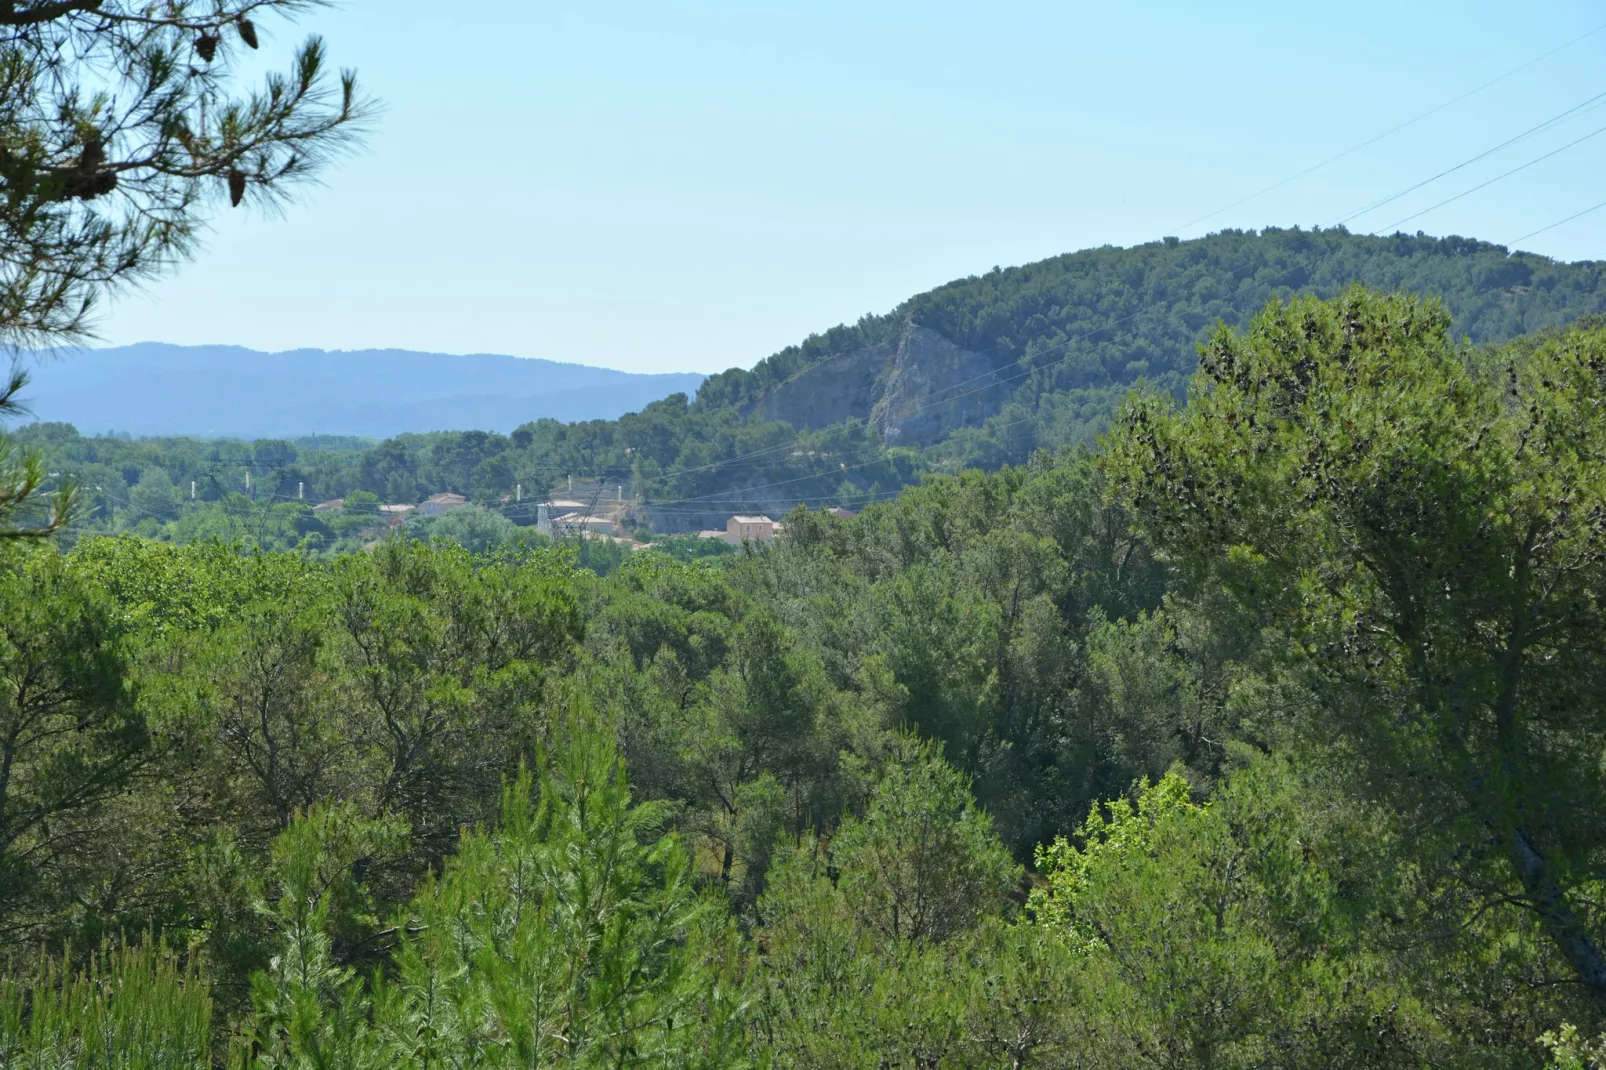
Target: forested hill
1062	337
976	373
983	371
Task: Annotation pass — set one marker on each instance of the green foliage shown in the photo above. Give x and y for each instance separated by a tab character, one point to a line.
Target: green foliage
476	530
1426	530
71	735
971	610
24	513
135	1007
573	935
923	863
871	946
1121	831
1215	935
1569	1051
692	547
1291	698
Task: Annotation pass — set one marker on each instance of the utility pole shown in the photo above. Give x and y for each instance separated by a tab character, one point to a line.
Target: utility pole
300	491
571	484
518	492
192	490
248	481
619	493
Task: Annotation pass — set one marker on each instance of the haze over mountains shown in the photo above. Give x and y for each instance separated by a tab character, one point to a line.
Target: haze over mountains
152	389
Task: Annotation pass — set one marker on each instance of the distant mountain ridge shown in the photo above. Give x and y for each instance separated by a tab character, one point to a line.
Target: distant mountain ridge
155	389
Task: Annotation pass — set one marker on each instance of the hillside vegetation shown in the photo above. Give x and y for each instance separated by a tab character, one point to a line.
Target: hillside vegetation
1266	734
980	372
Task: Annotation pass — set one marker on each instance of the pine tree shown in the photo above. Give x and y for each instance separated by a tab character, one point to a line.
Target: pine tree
119	124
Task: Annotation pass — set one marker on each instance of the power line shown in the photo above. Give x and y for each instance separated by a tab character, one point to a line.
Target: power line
993	380
1482	185
1557	223
739	495
1466	163
1394	129
928	400
935	398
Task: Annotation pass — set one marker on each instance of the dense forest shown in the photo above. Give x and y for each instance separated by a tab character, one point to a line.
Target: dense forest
1266	732
1066	337
1228	691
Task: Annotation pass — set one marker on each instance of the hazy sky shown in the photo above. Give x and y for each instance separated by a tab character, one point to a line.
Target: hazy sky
674	186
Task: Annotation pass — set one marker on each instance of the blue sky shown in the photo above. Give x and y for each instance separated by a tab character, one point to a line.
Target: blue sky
674	186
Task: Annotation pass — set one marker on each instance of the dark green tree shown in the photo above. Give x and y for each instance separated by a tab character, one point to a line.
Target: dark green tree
573	935
71	734
1424	528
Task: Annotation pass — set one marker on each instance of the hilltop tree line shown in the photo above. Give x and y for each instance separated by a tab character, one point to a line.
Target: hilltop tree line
1266	733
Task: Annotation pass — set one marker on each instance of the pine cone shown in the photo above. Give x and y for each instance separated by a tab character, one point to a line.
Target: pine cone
236	188
206	45
248	32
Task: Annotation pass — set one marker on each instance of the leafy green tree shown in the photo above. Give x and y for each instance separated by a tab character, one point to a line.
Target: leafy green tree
287	746
573	935
361	503
476	530
23	477
71	735
923	863
1569	1051
1426	529
442	667
757	720
1215	936
153	496
309	1004
864	950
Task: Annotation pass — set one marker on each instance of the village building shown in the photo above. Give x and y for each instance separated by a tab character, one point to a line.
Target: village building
333	505
740	529
441	504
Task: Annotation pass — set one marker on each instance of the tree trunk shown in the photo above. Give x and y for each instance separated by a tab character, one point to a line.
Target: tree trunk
1563	926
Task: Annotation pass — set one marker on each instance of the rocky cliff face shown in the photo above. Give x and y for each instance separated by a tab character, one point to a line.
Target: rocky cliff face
914	390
